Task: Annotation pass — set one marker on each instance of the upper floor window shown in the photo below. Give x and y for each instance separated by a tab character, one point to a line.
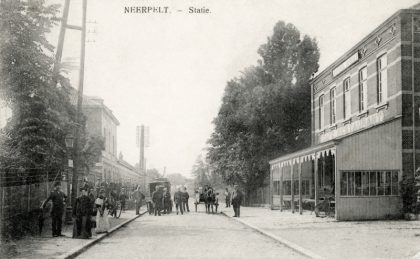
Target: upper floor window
363	89
321	111
382	79
346	97
332	106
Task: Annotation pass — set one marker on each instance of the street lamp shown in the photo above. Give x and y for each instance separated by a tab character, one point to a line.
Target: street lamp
69	145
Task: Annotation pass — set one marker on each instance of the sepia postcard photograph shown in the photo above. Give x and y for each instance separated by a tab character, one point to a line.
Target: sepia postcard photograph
210	129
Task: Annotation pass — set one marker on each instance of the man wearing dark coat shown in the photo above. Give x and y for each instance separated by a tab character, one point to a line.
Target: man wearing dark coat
185	197
178	200
167	206
82	212
237	201
157	198
57	197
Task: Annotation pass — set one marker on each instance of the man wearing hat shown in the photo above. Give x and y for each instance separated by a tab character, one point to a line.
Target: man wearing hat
57	197
82	211
236	201
157	198
178	200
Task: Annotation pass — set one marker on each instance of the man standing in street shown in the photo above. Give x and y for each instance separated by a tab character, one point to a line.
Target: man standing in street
227	198
157	198
57	197
185	197
236	201
178	200
138	197
82	212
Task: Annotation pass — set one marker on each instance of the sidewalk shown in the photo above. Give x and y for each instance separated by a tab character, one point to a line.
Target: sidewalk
331	239
45	246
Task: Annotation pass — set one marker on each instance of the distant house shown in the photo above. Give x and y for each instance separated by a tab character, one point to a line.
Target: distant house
365	128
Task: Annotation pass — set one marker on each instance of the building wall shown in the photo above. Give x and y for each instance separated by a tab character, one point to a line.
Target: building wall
378	149
384	41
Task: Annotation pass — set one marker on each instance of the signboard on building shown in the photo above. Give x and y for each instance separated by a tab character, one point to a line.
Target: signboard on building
353	127
347	63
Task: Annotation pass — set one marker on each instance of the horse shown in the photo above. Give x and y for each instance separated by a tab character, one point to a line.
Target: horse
210	200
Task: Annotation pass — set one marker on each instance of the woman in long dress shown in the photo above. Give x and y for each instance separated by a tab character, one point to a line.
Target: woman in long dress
102	221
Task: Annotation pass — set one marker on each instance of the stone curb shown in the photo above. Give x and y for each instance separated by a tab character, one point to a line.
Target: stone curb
78	250
283	241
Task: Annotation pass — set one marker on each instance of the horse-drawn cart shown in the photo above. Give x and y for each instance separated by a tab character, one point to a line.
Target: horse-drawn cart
207	197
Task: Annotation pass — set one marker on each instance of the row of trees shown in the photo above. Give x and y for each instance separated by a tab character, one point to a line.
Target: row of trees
266	111
34	138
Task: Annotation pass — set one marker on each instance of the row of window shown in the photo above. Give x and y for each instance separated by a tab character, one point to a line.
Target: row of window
369	183
381	90
287	187
353	183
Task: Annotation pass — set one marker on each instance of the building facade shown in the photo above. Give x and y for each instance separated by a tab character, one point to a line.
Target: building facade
100	121
365	128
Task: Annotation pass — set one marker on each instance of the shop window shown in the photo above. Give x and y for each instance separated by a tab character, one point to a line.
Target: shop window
381	183
382	86
394	183
369	183
276	187
346	99
362	89
365	183
358	183
372	184
287	188
296	187
332	106
351	184
344	184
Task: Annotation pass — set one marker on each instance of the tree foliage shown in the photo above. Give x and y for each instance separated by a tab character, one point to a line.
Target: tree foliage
34	138
42	114
266	111
205	175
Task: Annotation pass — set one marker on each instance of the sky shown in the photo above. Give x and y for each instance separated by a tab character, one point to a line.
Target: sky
169	71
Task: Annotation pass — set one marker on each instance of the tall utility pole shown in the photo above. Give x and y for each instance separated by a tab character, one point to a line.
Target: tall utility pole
79	105
56	71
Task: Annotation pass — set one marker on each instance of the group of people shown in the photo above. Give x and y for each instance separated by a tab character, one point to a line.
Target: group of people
162	201
90	210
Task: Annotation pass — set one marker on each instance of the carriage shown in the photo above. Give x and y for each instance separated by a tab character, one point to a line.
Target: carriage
208	197
162	183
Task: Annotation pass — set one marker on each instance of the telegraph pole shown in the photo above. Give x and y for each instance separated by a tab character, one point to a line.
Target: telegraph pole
79	104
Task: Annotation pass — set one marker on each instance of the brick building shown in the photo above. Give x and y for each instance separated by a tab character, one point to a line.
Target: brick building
365	128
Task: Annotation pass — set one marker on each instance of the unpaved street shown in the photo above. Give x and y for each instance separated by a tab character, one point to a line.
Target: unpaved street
193	235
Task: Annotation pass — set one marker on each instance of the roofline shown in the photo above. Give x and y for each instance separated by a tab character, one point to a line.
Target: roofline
304	152
351	51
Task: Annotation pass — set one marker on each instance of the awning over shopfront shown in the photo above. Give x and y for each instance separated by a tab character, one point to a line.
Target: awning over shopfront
295	175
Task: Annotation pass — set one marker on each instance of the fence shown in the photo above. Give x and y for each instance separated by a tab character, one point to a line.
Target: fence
23	191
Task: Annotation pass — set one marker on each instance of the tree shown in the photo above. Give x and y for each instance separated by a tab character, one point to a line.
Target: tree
204	175
265	112
34	137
